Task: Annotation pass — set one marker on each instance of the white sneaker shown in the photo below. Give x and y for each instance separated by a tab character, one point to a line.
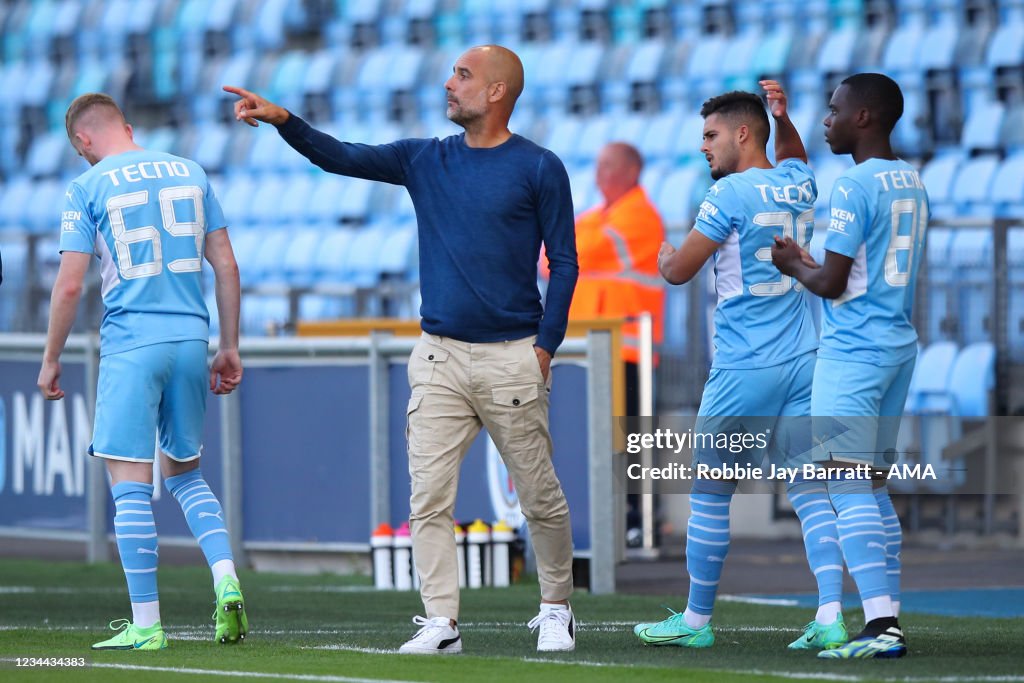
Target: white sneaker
436	637
557	628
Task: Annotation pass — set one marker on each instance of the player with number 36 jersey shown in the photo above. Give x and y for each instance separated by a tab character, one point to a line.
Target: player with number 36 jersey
762	318
146	215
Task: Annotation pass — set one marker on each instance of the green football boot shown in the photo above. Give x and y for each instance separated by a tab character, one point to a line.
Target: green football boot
232	623
131	637
674	631
818	636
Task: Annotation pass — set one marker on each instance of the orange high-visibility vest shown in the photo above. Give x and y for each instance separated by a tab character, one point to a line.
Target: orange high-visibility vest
618	248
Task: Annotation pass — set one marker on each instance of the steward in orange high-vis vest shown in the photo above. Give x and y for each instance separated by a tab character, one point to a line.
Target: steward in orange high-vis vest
617	245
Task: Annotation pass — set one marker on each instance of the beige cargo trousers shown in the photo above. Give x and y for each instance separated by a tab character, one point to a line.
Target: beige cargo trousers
457	388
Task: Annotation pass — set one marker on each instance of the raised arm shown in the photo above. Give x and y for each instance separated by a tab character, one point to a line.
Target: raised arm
385	163
788	144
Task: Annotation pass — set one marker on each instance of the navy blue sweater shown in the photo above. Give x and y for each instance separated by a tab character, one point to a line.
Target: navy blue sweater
482	214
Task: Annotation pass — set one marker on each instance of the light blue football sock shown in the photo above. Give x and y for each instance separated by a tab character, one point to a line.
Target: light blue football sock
861	535
203	513
135	532
707	541
893	541
813	507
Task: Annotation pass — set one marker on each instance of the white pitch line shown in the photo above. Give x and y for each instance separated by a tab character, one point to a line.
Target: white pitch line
247	674
778	602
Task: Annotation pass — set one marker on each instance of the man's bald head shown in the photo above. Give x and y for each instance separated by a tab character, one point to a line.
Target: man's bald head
501	65
92	112
619	165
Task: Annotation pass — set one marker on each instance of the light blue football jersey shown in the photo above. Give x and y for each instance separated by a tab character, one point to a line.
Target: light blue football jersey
878	217
146	215
763	317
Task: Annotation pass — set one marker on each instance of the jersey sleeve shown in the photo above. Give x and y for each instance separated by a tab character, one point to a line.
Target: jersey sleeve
214	214
848	218
77	227
713	216
801	174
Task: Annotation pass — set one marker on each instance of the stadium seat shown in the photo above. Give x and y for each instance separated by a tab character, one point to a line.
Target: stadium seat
1015	316
398	254
941	309
971	261
938	176
47	155
331	257
983	127
299	257
1008	187
929	392
45	203
1006	47
827	169
680	194
972	187
972	379
837	53
659	139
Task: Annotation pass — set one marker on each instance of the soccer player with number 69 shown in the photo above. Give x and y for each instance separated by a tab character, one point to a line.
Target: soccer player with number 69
151	218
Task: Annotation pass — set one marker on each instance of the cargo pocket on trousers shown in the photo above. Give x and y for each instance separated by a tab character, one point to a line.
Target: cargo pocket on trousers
414	404
515	408
424	364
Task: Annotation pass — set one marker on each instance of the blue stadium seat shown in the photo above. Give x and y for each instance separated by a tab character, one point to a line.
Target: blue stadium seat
45	203
596	133
325	201
581	184
972	379
295	200
245	242
299	257
836	56
972	187
648	62
357	201
929	390
938	176
210	146
680	194
703	71
47	155
772	55
901	52
659	141
15	202
266	205
983	126
1006	47
331	257
1008	187
362	266
267	262
236	199
910	135
942	284
939	47
398	256
1015	316
563	136
971	261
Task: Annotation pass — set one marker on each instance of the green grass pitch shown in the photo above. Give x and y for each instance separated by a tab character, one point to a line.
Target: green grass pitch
336	629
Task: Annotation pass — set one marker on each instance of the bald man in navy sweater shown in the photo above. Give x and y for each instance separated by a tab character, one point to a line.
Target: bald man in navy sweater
485	202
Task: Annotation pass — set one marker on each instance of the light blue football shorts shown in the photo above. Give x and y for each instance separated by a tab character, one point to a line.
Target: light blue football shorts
857	409
769	407
156	387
